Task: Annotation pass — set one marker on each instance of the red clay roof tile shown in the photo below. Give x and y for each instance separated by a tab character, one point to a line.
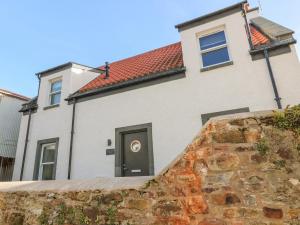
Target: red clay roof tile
257	37
155	61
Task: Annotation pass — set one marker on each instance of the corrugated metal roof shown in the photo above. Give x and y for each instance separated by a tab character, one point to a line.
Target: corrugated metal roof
14	95
270	28
9	126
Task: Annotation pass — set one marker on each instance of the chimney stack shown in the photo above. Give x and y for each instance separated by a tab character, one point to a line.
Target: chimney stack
106	70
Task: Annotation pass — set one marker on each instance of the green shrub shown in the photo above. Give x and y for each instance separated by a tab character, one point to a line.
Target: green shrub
262	147
289	119
111	214
279	164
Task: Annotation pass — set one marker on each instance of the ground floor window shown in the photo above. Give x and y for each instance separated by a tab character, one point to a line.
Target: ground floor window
45	164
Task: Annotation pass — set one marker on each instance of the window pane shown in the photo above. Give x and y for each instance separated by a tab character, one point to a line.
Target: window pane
48	155
56	86
212	40
48	172
215	57
55	99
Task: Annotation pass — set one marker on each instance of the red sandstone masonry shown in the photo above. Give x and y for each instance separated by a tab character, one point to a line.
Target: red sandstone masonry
220	179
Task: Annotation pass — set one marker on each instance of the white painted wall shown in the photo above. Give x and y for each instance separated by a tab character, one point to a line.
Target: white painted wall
174	108
51	123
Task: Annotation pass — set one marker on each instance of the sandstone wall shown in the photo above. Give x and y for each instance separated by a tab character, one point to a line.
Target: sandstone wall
238	170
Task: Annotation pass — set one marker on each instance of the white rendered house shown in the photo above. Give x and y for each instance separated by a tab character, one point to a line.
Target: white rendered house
134	116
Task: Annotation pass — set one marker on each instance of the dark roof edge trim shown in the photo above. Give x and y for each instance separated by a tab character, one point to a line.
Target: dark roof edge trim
30	105
62	66
273	46
198	19
253	9
124	84
65	65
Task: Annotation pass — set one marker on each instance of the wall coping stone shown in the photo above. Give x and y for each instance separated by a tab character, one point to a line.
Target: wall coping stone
107	184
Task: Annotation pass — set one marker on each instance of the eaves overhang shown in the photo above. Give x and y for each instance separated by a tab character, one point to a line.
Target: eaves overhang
64	66
272	46
211	16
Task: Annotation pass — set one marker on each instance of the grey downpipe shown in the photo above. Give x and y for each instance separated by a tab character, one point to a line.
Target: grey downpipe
247	28
71	139
25	145
277	98
39	78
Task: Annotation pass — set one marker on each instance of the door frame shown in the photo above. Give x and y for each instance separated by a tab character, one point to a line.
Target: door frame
119	153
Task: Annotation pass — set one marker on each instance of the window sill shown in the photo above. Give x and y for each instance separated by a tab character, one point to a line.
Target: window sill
51	106
208	68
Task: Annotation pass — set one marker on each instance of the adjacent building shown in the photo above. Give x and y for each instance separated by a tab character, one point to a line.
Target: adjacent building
10	119
134	116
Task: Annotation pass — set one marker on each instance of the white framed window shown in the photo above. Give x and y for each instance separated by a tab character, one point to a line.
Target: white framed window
55	92
47	162
214	49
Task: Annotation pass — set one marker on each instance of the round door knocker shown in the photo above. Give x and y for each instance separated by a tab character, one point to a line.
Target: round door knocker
135	146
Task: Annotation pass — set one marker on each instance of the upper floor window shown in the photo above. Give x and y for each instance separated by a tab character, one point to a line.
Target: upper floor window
55	92
214	49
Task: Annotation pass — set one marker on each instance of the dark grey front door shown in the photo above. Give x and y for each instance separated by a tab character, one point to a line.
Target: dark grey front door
135	153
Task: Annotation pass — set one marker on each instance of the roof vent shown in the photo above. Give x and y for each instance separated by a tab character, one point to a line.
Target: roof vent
106	70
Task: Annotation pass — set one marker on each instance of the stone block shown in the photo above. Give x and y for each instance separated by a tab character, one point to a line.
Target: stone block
83	196
229	136
196	205
165	208
173	220
230	213
200	167
185	178
224	161
250	200
294	213
223	198
244	148
91	213
257	158
245	212
15	219
252	135
111	197
273	213
139	204
255	183
212	221
218	179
